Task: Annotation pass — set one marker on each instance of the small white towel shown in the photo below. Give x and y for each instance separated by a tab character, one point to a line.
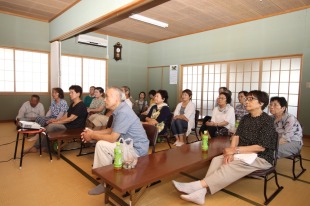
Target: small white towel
248	158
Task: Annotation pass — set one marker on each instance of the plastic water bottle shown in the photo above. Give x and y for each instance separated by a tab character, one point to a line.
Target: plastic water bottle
118	156
237	124
204	145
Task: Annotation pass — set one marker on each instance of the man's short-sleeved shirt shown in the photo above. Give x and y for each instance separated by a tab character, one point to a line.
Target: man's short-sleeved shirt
128	125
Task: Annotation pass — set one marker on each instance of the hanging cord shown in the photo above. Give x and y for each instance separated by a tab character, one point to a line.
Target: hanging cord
8	144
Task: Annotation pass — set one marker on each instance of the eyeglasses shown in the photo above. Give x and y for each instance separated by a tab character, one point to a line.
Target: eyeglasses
250	99
221	98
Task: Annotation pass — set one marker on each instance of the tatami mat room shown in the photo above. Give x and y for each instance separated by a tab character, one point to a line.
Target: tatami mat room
67	181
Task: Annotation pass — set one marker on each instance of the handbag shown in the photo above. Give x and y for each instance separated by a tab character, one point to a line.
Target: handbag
221	132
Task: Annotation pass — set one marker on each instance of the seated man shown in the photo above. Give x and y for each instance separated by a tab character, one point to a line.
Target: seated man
89	98
30	109
126	124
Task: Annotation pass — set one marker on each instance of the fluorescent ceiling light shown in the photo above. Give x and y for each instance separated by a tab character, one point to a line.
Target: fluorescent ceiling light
149	20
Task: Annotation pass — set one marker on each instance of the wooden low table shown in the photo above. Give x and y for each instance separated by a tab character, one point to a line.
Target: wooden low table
156	166
63	137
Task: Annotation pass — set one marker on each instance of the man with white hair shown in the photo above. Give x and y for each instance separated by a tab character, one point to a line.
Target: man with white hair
126	124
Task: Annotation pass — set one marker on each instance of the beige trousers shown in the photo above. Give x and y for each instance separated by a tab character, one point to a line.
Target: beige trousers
99	120
104	153
221	175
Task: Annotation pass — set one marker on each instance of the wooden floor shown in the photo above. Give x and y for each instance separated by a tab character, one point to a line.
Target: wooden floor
66	181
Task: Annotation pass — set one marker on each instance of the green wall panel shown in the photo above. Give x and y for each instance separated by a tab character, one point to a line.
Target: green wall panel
275	36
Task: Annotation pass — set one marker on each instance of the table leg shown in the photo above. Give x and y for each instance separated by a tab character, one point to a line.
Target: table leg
48	147
59	148
135	196
22	152
40	144
16	145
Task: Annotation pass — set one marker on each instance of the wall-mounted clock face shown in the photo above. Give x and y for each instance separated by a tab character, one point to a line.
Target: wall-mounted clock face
118	51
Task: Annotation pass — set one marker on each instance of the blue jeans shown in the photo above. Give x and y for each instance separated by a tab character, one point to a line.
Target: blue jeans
179	126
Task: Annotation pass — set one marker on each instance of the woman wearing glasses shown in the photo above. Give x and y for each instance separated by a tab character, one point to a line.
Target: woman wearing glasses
255	136
223	116
287	126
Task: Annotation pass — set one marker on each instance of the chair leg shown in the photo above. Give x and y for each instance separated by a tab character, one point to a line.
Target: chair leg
187	139
48	147
168	141
80	153
197	135
268	200
296	159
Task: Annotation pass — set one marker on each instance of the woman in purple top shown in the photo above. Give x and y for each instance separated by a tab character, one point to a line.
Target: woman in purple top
57	109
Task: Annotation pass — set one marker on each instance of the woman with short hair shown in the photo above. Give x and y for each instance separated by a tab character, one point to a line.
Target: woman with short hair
255	138
97	109
287	126
57	109
160	112
240	109
183	118
223	116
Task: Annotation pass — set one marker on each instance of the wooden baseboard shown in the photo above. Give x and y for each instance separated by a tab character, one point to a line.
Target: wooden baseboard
6	121
306	136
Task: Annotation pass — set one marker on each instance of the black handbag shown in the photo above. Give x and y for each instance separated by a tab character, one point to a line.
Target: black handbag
221	132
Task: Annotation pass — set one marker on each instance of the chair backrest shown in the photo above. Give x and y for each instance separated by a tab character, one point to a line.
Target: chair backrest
151	133
110	121
196	118
169	120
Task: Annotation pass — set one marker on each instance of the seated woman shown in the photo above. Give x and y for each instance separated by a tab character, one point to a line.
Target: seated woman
97	109
151	103
140	105
240	110
159	113
287	126
75	117
255	134
223	116
183	118
57	109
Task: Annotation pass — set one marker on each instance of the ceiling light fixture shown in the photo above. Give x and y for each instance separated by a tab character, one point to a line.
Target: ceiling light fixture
149	20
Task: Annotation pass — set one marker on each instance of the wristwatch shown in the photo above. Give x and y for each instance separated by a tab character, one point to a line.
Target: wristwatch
237	150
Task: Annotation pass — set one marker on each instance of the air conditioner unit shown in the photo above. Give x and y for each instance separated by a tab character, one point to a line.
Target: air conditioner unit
92	40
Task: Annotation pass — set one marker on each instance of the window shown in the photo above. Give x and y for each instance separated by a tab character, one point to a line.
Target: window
82	71
276	76
23	71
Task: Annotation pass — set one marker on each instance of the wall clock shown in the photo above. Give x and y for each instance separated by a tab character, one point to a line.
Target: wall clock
118	51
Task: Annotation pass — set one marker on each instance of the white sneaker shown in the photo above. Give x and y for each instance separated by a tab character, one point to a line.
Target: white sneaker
34	138
179	144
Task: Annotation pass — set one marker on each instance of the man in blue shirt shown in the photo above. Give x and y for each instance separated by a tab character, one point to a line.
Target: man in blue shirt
126	124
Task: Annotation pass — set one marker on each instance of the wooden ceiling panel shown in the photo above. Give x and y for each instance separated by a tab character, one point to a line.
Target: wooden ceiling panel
190	16
183	16
43	10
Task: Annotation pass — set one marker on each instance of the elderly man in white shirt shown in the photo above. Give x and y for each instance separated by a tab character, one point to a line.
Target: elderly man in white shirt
31	109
